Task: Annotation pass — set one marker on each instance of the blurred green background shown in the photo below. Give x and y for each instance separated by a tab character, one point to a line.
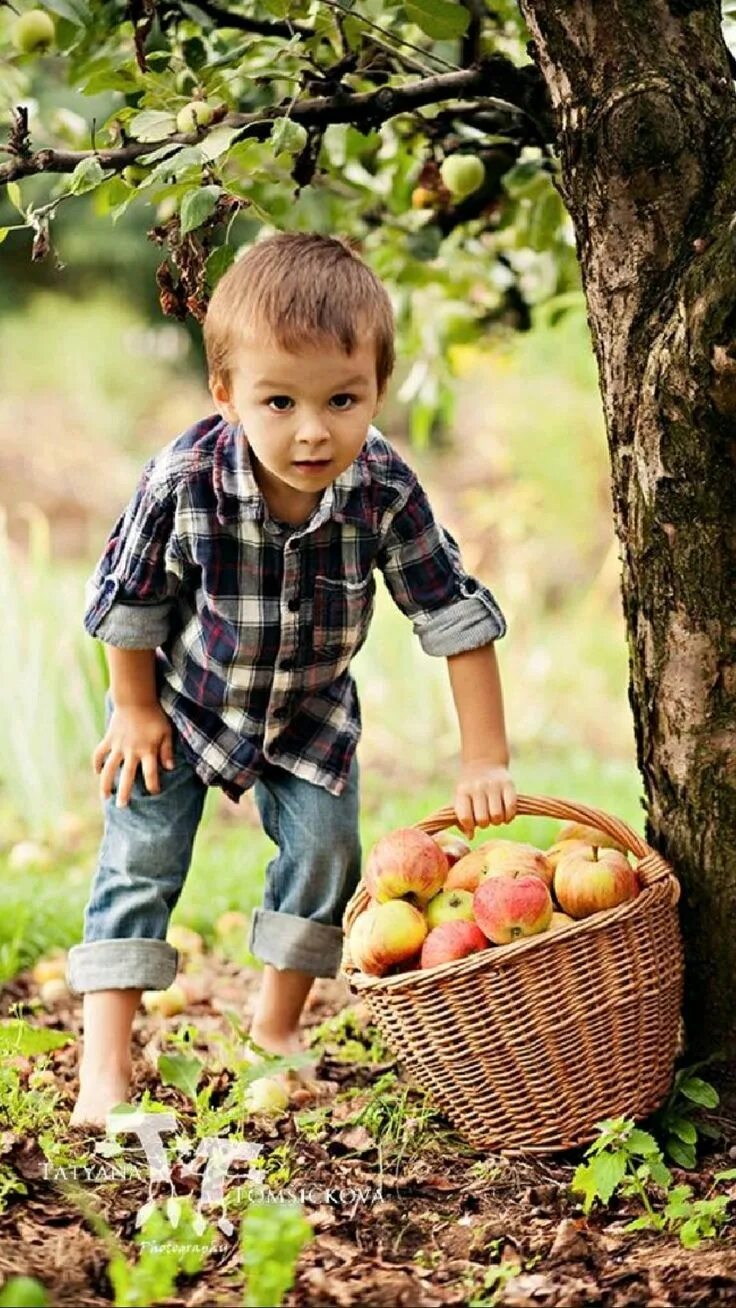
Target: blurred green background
92	381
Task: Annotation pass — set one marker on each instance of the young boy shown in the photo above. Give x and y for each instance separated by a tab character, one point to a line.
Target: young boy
232	596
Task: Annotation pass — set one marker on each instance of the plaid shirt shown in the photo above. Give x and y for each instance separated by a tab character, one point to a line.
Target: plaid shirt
254	622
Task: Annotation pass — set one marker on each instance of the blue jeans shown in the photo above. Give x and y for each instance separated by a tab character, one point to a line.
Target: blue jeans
145	857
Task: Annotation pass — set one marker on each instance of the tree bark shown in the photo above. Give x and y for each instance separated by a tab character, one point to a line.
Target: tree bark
646	121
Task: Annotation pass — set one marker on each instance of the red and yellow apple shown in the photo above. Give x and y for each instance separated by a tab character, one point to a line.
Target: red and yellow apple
507	908
452	940
455	847
449	906
405	864
589	836
385	934
559	849
590	879
499	858
559	921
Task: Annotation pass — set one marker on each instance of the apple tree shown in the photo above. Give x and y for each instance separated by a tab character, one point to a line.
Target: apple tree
488	157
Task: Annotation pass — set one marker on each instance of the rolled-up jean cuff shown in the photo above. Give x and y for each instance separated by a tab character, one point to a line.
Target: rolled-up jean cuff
121	965
285	940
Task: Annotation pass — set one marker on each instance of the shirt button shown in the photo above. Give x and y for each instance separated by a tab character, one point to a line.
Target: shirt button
293	605
471	586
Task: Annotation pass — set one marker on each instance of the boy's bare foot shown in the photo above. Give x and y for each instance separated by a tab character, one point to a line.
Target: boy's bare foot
99	1091
282	1043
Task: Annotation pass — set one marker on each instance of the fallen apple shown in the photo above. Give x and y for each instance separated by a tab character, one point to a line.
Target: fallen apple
231	921
462	174
452	940
266	1095
508	908
33	32
53	990
589	836
385	934
184	940
449	906
405	864
590	879
166	1002
51	968
455	847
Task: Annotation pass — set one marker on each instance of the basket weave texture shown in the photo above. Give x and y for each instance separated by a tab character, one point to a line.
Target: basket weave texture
527	1046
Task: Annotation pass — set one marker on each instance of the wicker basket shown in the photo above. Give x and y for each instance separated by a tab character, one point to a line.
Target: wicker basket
526	1046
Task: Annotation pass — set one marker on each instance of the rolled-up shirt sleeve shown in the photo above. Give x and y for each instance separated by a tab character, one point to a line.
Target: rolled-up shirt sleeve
129	597
451	612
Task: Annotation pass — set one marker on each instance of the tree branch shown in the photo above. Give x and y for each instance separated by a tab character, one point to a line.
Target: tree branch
495	77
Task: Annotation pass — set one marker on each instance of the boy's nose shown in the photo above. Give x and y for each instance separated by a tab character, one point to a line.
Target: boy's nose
313	433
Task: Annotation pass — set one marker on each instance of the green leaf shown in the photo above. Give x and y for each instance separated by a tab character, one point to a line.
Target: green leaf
728	1175
271	1238
76	11
218	141
599	1178
641	1143
86	176
218	263
17	1037
443	20
182	1071
690	1235
197	206
700	1092
683	1129
152	125
683	1154
23	1292
14	196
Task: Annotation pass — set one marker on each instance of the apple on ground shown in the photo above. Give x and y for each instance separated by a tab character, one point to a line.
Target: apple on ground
589	836
449	906
266	1095
455	847
53	990
385	934
452	940
590	879
50	968
166	1002
33	32
231	921
196	114
185	940
508	908
405	864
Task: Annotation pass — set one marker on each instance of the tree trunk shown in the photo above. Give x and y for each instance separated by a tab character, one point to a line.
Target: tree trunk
646	117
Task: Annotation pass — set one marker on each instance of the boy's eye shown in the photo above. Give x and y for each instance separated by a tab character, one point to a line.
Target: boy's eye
282	403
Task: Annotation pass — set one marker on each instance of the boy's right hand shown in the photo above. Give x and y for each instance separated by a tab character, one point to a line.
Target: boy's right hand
134	736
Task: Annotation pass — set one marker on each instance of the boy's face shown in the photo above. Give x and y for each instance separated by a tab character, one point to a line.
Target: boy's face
305	415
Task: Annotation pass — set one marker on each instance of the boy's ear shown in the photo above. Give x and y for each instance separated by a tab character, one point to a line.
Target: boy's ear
221	399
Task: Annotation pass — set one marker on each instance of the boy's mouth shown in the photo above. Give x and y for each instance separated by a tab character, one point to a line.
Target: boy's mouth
312	465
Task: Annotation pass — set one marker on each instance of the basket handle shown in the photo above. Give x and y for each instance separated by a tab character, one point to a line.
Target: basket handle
651	866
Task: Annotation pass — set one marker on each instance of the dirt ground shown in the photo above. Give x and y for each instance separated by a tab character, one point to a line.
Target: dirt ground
413	1217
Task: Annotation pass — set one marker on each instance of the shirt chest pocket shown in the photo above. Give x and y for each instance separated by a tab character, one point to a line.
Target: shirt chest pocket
341	614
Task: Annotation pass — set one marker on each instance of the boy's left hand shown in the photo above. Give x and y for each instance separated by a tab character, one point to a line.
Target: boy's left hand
484	794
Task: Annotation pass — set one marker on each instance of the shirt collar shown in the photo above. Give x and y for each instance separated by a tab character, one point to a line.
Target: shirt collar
239	495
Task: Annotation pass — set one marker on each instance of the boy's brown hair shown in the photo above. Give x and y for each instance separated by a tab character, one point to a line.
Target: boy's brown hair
297	288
